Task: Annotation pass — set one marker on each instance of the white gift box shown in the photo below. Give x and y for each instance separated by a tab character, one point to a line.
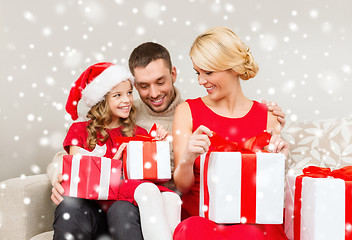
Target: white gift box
148	156
224	186
322	210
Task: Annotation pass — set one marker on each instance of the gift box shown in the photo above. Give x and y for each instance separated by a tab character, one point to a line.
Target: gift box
89	177
318	205
240	187
147	160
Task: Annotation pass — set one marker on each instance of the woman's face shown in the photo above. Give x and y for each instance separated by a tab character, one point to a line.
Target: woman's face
216	83
120	100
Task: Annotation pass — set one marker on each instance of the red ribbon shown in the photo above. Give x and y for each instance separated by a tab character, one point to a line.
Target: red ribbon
344	173
145	138
149	159
248	171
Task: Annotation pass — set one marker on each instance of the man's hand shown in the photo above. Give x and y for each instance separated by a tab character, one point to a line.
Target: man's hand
277	111
57	191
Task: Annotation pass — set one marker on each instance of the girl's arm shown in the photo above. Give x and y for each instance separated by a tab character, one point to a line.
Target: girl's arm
74	150
58	190
187	146
161	133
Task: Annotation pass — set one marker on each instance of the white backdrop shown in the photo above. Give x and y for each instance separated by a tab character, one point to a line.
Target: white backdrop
303	48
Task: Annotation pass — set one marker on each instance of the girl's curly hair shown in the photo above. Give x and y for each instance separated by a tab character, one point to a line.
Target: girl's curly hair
99	119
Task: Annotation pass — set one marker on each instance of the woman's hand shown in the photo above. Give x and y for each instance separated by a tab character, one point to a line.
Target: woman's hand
118	154
57	191
198	143
277	144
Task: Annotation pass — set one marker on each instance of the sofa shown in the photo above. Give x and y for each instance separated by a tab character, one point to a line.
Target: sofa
26	210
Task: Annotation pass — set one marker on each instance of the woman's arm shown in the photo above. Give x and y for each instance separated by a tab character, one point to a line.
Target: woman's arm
187	146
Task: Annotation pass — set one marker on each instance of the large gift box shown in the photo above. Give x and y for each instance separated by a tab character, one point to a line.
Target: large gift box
318	204
147	160
242	187
89	177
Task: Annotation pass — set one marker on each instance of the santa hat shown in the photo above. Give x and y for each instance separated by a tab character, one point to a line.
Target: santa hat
94	83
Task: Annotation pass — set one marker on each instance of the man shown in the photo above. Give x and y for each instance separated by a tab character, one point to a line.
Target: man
150	64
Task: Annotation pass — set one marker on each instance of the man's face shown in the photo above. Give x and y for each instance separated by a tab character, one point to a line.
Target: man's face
154	84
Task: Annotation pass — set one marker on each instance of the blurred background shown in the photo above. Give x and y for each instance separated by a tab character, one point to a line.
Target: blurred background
303	49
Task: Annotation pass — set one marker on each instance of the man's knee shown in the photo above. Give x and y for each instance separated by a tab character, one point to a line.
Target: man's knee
81	218
123	210
76	206
124	221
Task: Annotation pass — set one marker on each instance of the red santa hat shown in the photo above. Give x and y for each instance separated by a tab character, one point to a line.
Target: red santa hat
94	83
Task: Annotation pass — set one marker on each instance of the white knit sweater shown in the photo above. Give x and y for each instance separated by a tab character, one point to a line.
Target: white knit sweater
146	117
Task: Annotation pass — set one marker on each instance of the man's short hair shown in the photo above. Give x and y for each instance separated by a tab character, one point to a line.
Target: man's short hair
147	52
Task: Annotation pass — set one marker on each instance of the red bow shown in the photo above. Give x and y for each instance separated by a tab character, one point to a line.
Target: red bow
344	173
251	145
144	138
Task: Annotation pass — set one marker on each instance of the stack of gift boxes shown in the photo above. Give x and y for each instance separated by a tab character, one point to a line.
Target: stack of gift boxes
238	184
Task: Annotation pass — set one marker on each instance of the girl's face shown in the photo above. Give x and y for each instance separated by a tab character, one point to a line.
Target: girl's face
120	100
217	83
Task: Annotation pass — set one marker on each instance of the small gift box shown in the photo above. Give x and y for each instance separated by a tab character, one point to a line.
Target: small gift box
89	177
242	187
319	204
147	160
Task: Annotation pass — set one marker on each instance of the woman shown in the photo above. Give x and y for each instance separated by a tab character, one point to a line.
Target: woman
220	60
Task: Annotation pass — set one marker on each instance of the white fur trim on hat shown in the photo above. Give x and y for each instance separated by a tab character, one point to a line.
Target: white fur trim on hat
102	84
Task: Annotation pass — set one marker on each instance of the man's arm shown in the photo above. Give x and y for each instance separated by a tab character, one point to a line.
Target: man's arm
277	111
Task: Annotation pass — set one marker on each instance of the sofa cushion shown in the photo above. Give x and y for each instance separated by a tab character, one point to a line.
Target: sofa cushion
323	143
44	236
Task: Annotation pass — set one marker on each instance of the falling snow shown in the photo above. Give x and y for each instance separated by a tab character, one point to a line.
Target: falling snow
302	52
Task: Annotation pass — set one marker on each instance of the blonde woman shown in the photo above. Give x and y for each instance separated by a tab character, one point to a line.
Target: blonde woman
220	59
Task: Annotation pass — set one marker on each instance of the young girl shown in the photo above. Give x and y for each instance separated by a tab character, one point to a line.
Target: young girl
107	89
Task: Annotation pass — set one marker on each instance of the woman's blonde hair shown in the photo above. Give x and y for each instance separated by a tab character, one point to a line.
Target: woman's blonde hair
220	49
99	119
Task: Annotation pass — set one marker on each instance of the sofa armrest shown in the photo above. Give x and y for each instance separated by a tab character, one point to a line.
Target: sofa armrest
25	207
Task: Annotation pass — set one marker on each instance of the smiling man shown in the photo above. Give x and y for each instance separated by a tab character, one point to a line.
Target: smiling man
151	66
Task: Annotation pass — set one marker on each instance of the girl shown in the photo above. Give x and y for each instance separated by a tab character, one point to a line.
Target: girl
107	89
219	59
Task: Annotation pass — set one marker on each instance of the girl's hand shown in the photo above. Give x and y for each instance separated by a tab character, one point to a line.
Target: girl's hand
57	191
161	133
118	154
198	143
277	144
